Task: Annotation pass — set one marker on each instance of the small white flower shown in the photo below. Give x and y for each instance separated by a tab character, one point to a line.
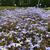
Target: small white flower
47	35
36	45
21	42
18	39
31	31
14	44
28	40
48	32
11	32
28	18
47	48
17	27
17	44
24	31
3	39
37	33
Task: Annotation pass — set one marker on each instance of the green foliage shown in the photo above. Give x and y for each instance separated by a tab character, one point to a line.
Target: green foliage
44	3
7	2
26	2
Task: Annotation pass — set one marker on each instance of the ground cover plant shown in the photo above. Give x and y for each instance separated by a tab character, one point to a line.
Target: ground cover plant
24	29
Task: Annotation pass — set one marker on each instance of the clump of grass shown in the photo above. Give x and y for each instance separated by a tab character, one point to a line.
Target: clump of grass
7	7
47	8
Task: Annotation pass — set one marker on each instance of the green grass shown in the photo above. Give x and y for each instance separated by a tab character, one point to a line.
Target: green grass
7	7
47	8
13	7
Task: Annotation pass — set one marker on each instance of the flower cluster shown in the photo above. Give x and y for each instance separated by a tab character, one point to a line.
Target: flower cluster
24	29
